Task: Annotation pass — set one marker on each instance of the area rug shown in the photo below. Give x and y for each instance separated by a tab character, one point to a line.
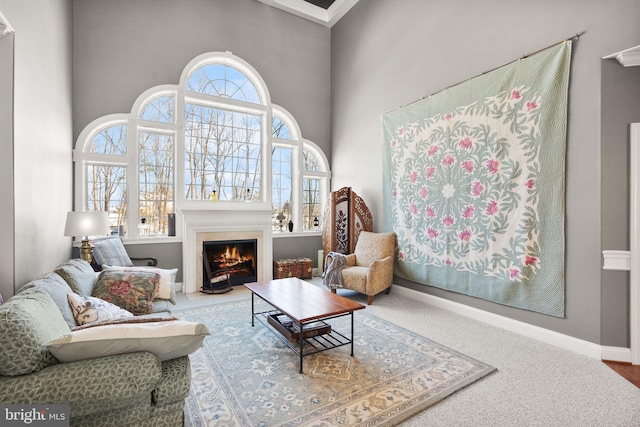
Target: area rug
246	376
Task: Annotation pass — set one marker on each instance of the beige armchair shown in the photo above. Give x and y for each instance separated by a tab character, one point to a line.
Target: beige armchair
369	270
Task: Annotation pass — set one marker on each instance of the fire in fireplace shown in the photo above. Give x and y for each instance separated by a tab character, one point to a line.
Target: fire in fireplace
230	262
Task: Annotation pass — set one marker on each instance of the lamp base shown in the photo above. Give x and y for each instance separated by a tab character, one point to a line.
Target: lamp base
85	251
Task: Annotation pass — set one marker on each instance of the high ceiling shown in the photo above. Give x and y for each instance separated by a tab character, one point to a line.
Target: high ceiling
325	12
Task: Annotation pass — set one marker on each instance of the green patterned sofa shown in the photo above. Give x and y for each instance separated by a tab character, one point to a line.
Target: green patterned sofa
132	389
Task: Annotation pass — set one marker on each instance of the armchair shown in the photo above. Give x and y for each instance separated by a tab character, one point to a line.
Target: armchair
369	270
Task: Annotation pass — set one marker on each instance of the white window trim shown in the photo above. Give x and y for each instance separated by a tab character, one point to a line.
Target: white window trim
266	110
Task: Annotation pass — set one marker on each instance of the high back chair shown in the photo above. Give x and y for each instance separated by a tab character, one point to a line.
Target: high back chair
369	270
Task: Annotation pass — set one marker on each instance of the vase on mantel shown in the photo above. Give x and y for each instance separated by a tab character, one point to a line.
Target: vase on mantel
290	225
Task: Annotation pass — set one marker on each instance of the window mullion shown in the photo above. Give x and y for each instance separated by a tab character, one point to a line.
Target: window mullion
179	197
132	199
296	191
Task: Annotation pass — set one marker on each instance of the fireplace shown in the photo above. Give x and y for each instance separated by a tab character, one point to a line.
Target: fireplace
228	262
224	224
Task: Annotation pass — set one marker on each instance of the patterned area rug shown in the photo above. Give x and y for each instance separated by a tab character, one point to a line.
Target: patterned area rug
246	376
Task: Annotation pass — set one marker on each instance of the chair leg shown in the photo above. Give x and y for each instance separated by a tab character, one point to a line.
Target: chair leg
370	299
334	291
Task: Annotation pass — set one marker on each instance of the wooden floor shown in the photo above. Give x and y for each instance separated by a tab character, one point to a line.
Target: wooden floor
627	370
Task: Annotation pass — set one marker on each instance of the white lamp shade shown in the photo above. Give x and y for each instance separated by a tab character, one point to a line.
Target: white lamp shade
81	224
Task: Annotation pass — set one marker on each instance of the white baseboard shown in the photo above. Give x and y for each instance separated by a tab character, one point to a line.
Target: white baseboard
616	354
566	342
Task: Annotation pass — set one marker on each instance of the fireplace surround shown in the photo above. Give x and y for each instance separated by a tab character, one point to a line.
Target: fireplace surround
224	224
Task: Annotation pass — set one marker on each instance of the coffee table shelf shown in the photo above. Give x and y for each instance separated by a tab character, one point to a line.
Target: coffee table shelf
311	345
305	304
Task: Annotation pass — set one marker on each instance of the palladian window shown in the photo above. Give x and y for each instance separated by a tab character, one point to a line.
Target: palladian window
215	136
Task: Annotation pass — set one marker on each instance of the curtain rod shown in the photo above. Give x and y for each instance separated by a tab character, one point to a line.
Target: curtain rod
575	37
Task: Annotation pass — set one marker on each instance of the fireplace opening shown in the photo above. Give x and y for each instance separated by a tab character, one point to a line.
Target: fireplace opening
227	263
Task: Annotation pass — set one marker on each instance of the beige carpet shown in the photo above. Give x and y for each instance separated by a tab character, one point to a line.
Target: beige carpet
536	384
246	376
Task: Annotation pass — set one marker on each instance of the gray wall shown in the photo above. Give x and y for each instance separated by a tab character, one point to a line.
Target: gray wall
306	247
386	54
620	107
42	139
6	165
123	47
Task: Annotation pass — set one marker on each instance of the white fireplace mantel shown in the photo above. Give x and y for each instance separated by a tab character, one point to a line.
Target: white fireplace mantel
200	225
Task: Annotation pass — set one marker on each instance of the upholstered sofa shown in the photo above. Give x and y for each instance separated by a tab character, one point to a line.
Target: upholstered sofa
45	360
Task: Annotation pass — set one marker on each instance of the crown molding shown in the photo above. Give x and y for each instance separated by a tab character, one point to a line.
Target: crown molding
5	28
314	13
627	58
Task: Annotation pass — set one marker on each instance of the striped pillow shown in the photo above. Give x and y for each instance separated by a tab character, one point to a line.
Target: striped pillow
110	251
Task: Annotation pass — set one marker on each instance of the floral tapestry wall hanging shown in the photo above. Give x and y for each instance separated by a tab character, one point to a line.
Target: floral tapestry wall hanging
474	184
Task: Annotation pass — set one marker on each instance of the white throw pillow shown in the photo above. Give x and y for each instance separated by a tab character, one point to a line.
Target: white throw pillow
91	309
167	287
166	339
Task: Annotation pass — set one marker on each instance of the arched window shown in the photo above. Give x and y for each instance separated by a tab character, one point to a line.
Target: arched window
216	132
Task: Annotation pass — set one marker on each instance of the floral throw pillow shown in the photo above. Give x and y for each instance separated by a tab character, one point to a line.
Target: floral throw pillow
88	310
129	290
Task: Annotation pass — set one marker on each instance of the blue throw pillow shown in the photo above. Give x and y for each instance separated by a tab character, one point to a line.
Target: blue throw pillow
110	251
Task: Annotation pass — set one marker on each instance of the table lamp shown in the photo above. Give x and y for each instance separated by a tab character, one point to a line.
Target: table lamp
85	224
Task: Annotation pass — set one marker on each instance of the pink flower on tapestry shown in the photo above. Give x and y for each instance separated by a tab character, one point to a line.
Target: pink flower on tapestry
478	171
395	193
492	207
465	143
120	287
493	165
394	143
468	166
400	255
400	131
477	188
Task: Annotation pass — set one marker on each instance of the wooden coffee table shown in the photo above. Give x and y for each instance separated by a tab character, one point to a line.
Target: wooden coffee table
305	304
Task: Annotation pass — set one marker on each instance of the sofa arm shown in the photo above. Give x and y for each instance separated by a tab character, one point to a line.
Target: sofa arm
89	386
351	260
380	275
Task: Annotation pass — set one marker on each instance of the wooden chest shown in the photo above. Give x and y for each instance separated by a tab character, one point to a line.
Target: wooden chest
294	267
